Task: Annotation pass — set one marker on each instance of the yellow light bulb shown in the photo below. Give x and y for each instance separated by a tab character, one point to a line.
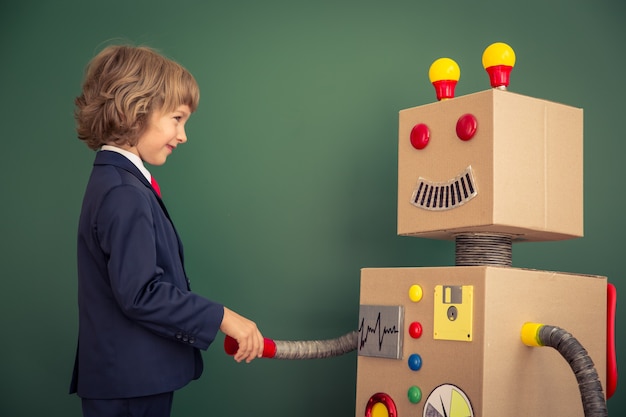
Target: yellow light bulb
444	69
498	53
498	61
444	73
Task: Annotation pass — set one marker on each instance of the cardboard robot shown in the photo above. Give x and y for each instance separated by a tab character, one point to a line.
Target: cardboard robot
485	170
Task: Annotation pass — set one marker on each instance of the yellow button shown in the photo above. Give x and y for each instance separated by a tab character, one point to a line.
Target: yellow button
380	410
416	293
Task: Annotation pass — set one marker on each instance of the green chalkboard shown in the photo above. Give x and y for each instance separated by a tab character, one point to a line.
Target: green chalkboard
287	185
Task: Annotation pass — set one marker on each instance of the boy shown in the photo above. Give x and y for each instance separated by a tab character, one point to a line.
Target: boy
140	327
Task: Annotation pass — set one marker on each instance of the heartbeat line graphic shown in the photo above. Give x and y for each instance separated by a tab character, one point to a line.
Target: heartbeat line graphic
378	329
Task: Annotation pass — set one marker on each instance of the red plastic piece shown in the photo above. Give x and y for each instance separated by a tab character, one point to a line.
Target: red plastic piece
466	126
444	89
231	347
611	359
415	330
384	399
499	75
420	136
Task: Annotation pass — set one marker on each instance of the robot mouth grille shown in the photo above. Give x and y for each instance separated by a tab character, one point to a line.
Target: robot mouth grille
445	195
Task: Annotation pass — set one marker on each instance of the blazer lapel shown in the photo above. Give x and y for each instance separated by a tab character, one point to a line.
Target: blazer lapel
120	161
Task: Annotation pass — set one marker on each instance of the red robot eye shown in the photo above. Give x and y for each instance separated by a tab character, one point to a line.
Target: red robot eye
420	135
466	126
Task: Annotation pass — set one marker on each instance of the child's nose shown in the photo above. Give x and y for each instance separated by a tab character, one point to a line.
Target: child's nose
182	136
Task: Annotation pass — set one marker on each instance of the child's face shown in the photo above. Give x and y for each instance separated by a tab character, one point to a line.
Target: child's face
165	131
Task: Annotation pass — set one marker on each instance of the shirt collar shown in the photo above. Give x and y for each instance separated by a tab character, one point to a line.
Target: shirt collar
131	157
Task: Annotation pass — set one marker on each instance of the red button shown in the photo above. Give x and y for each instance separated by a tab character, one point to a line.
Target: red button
415	330
420	135
466	126
384	400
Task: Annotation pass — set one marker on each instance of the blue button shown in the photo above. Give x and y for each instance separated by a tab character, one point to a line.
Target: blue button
415	362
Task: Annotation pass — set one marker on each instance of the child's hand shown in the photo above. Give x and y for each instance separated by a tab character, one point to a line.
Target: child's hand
246	333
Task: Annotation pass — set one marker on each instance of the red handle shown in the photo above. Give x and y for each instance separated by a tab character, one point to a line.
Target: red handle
231	347
611	360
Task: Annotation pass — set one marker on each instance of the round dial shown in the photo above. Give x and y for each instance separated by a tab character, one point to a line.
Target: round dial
448	400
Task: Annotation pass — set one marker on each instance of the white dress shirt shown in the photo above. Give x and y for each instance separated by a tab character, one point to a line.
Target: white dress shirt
131	157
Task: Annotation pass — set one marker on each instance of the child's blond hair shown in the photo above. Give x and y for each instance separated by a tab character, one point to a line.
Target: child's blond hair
123	86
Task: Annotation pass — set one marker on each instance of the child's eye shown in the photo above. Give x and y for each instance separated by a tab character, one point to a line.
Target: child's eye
178	118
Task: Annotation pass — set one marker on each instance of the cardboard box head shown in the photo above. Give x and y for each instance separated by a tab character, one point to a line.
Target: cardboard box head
492	161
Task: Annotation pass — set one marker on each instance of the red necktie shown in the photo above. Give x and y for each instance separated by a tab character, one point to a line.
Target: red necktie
155	185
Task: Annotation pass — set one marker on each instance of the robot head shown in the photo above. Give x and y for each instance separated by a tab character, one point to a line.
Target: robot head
492	161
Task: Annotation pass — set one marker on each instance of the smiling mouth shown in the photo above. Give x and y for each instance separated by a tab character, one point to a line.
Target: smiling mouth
437	196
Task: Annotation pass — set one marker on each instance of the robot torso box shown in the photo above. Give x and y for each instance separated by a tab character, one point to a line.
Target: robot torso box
446	341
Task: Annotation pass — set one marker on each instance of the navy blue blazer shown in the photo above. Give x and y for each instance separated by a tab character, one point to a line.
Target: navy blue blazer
140	326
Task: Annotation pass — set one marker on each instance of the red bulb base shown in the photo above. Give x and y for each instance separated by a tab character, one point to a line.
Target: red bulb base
444	89
499	75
